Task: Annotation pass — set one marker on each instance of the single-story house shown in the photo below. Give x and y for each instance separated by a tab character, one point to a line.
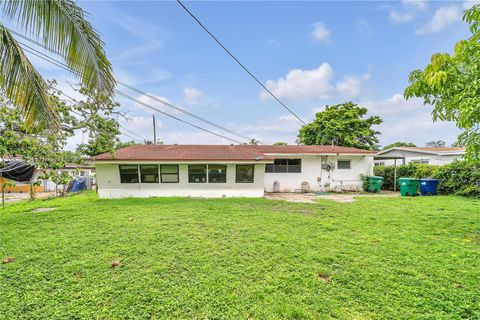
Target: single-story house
229	170
426	155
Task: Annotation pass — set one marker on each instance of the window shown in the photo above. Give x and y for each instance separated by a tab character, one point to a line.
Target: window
379	164
284	165
149	173
169	173
423	161
245	173
217	173
128	174
343	164
197	173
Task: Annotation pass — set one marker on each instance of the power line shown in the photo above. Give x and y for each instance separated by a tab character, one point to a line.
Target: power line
170	105
182	110
133	132
176	118
142	139
126	135
238	61
61	65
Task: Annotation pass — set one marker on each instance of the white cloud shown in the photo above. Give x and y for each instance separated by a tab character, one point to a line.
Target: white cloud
443	17
320	32
143	74
192	95
397	17
409	120
470	3
141	126
305	85
416	4
410	10
301	84
268	131
144	99
364	27
349	86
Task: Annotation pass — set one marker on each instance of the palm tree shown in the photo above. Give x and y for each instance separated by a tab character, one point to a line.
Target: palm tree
253	142
61	26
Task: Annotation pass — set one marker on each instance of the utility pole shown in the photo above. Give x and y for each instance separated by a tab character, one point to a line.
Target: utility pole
154	131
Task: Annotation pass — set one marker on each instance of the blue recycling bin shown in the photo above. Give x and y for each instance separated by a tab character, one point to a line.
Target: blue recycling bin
78	185
428	187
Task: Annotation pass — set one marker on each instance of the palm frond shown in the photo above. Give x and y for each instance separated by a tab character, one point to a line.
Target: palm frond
23	85
61	26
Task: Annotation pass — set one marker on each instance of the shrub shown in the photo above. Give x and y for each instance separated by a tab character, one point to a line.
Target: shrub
425	171
364	179
388	173
459	177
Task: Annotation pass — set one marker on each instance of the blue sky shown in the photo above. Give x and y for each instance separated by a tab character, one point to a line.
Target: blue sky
308	53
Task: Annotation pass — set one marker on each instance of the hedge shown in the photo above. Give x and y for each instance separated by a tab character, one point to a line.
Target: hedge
459	177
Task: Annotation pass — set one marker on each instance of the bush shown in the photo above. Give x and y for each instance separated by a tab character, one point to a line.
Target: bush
403	171
459	177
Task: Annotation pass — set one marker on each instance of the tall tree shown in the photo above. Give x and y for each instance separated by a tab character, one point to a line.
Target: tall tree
61	26
342	124
451	83
435	143
399	144
94	115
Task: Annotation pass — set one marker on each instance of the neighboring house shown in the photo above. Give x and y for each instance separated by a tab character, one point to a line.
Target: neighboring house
74	170
426	155
18	176
228	170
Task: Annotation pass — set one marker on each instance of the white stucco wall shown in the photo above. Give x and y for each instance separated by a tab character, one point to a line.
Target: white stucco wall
437	160
109	186
322	180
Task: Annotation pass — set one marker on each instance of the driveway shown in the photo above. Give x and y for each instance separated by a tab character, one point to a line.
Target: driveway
17	196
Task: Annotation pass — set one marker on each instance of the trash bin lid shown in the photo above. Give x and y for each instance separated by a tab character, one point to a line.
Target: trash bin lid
408	179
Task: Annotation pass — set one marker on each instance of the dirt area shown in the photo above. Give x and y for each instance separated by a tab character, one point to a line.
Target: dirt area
338	197
44	209
14	196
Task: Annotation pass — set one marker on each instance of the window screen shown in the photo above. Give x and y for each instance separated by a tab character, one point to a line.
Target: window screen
244	173
169	173
197	173
423	161
284	165
343	164
217	173
149	173
128	173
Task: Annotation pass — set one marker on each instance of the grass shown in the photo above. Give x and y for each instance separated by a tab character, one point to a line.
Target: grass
376	258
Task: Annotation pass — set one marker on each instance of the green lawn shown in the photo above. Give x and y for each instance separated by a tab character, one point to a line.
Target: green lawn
376	258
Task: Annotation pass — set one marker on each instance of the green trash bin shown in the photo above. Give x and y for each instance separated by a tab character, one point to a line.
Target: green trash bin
374	184
409	186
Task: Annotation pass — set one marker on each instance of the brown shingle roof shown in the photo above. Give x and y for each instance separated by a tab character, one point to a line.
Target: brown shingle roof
183	152
310	149
217	152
